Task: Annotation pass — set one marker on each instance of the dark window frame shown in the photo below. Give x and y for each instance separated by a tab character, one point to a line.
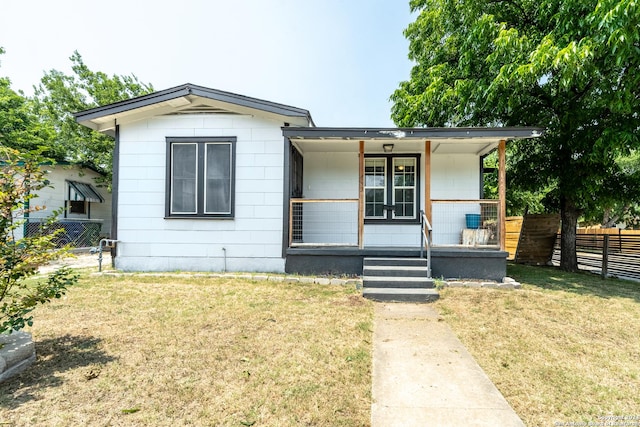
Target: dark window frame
389	189
77	207
201	143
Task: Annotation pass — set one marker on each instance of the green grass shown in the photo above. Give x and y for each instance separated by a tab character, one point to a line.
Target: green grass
178	350
565	348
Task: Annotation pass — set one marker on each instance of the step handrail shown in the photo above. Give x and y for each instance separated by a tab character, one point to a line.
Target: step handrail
425	238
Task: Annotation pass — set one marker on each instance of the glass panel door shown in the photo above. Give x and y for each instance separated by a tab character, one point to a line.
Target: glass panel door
404	188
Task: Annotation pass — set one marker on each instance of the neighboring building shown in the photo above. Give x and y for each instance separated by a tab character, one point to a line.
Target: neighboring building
206	180
86	215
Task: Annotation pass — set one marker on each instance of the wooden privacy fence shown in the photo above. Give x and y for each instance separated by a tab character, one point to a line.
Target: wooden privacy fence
530	239
513	227
611	255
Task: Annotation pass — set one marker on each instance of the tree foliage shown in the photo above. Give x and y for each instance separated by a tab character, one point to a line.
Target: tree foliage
568	65
21	176
58	96
518	201
20	128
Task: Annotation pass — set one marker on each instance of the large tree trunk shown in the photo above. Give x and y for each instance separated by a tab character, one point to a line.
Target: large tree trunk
569	215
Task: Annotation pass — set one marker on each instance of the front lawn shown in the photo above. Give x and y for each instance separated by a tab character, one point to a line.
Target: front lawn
563	349
182	350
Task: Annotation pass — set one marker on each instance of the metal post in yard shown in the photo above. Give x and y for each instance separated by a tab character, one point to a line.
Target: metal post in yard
605	256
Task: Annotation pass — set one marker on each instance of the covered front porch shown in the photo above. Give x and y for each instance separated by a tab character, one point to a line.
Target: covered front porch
356	193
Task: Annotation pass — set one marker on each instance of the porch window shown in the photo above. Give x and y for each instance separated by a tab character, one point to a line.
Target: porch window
200	177
391	188
374	188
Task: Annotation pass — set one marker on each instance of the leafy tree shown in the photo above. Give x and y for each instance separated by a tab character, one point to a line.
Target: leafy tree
568	65
625	214
59	95
20	178
519	201
20	128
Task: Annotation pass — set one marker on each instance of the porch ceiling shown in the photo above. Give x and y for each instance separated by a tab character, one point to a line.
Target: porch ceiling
478	141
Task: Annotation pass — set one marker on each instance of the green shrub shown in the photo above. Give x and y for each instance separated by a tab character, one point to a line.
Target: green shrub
21	176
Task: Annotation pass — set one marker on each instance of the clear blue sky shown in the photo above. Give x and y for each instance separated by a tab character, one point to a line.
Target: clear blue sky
340	59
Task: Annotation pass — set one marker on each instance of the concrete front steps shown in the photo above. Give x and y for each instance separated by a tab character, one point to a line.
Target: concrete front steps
397	280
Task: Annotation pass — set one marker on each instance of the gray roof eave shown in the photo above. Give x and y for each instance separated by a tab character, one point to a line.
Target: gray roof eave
506	133
191	89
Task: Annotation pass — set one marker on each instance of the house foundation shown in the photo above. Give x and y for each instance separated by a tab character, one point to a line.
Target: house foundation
459	263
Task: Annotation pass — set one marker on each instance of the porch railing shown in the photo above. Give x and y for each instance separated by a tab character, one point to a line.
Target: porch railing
334	222
466	223
323	222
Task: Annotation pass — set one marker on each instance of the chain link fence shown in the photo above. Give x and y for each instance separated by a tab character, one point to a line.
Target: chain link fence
78	234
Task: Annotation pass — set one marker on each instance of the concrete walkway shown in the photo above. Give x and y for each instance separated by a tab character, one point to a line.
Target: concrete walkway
424	376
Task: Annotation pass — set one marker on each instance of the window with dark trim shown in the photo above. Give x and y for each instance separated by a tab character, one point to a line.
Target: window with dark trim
392	188
200	177
77	207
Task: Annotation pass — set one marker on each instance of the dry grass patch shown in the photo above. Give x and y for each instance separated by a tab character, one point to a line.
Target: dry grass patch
136	350
564	349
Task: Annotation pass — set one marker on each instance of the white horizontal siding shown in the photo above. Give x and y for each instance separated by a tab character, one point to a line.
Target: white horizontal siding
172	263
455	176
330	175
252	240
395	235
335	175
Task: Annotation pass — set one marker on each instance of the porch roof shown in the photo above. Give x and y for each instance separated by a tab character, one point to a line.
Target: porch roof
470	140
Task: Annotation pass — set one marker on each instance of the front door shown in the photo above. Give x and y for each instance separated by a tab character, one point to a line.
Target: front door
391	188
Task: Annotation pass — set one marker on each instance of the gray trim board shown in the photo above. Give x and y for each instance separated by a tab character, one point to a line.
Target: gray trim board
286	192
115	184
420	133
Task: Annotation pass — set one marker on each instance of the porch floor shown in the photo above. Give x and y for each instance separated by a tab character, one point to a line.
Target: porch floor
390	251
447	262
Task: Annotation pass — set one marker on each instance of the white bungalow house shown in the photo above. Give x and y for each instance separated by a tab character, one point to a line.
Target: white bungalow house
206	180
86	206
